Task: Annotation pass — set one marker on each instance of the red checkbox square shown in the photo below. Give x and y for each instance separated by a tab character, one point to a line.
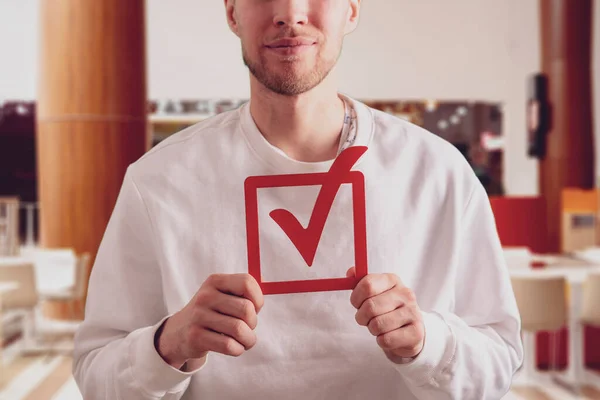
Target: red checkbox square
252	184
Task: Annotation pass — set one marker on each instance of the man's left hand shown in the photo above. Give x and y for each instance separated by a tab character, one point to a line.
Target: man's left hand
390	311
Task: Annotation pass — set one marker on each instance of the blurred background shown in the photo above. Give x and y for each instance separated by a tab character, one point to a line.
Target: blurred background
88	86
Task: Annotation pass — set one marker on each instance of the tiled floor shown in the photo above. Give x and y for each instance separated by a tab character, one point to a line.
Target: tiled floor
38	378
49	378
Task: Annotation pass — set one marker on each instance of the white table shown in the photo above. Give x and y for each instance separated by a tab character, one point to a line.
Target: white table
575	272
54	270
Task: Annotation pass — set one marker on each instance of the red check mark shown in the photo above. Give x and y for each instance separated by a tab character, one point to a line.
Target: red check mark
307	239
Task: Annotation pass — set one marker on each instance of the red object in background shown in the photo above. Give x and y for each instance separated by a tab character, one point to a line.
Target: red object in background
306	240
521	222
591	356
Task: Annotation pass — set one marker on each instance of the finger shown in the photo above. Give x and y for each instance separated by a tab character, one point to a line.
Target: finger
372	285
232	327
218	343
237	307
351	273
391	321
378	305
242	285
405	339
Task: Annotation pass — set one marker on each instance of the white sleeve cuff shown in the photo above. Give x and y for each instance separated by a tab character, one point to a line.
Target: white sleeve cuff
438	349
150	372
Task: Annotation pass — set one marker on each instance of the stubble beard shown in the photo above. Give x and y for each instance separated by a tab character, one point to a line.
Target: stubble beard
287	81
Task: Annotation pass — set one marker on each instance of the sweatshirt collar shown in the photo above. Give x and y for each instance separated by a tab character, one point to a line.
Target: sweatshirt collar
282	163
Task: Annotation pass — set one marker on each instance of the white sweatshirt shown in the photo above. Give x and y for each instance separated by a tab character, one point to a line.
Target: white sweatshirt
180	217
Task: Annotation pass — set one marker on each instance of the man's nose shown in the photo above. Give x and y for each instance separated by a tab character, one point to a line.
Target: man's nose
291	12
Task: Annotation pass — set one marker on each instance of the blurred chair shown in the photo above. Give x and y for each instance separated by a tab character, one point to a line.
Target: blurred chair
51	332
521	223
591	301
55	253
21	311
76	292
542	305
54	268
19	306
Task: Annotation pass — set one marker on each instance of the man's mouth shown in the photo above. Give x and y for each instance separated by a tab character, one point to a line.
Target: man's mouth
291	43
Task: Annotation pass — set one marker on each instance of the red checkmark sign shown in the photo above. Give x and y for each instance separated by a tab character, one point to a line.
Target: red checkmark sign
307	239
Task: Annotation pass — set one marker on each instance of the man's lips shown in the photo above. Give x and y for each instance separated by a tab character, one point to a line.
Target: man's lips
291	42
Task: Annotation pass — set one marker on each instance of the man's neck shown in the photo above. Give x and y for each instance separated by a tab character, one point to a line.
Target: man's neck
306	127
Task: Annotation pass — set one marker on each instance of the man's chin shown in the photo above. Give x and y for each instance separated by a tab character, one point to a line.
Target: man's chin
289	88
287	79
297	68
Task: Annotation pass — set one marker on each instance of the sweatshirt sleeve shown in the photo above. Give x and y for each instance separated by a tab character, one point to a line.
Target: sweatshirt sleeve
114	355
472	350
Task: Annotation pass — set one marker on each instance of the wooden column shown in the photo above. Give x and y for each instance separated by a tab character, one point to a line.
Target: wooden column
91	115
566	37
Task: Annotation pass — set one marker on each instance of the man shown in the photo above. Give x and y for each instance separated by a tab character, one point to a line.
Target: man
173	313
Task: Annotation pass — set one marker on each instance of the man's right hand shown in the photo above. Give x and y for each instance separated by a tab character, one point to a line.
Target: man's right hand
220	318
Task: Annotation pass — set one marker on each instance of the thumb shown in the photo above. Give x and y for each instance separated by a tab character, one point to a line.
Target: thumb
351	272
